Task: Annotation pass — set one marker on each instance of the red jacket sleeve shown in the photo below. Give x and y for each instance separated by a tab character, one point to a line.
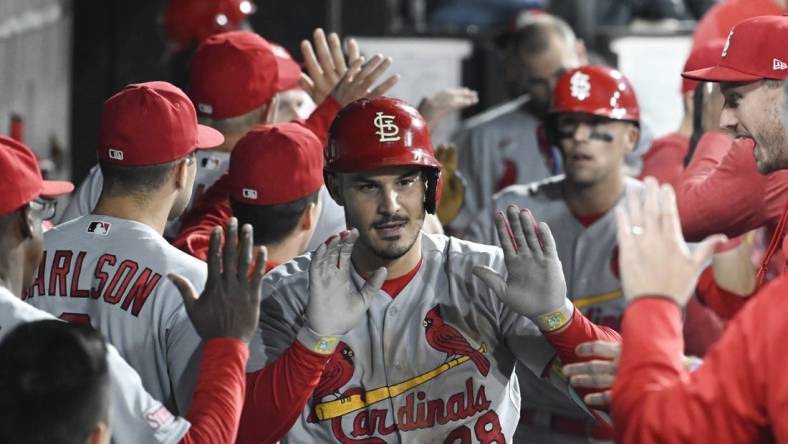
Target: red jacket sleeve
219	395
721	190
276	394
664	161
735	396
579	330
212	210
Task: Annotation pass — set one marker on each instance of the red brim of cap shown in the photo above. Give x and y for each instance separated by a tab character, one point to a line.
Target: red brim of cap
289	74
208	137
720	74
54	188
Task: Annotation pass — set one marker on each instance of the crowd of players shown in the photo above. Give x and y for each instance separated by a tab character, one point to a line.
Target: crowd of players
263	259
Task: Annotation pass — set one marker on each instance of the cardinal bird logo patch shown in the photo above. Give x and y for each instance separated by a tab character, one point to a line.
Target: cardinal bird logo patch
445	338
337	373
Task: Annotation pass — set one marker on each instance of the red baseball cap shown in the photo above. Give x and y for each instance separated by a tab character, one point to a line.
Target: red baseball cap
702	56
190	21
233	73
20	177
276	164
755	50
151	123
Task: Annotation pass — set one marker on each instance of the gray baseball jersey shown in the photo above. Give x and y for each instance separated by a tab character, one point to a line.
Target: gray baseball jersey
496	149
210	166
589	256
135	416
434	364
112	273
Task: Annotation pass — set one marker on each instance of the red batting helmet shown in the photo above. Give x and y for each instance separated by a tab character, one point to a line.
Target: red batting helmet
597	90
376	133
188	22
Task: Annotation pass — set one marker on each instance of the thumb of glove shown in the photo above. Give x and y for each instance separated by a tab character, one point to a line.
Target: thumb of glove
492	280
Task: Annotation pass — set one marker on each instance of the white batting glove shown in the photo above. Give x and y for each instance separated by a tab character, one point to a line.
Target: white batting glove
535	285
335	306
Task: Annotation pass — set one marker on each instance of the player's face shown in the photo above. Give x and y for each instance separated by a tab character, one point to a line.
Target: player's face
293	104
537	75
387	208
757	111
592	147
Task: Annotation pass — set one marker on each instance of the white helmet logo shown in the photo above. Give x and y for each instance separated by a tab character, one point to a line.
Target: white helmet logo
727	44
387	131
580	86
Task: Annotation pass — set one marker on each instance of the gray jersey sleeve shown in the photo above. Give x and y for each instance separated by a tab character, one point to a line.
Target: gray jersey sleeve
282	311
135	416
85	197
183	357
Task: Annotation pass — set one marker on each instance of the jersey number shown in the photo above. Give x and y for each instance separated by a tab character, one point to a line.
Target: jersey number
75	318
487	429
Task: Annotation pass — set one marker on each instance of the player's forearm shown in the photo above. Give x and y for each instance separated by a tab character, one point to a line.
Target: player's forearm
724	303
654	399
218	399
578	330
725	197
320	120
276	394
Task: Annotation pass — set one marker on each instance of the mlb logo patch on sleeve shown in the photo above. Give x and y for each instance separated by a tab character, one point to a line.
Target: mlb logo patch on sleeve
211	163
99	227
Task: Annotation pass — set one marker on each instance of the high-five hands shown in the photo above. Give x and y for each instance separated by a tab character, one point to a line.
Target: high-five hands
229	306
535	285
335	305
654	258
329	72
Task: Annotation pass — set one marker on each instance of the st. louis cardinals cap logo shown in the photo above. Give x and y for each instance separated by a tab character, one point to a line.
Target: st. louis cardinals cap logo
579	85
99	227
388	131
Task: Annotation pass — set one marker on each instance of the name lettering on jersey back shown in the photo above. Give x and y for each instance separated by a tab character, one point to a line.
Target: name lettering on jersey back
112	281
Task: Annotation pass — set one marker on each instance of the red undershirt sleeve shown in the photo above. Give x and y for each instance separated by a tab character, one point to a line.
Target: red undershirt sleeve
219	395
276	394
320	120
579	330
724	303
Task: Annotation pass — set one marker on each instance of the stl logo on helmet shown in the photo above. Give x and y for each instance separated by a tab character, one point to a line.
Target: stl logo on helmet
387	131
579	85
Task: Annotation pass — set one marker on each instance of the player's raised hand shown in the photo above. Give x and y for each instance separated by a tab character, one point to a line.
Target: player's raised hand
335	305
598	373
357	83
535	284
229	306
654	258
437	106
325	63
